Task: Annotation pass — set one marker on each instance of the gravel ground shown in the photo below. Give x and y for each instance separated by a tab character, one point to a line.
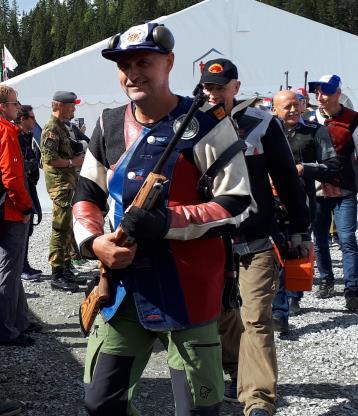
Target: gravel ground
317	361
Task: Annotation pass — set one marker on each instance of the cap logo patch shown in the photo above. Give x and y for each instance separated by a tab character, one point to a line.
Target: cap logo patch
215	68
134	36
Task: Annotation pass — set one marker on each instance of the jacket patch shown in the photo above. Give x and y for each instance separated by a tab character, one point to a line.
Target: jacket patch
192	129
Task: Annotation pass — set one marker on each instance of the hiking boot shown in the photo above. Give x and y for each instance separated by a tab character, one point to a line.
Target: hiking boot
20	341
230	394
10	408
33	327
280	324
326	290
294	308
60	282
72	277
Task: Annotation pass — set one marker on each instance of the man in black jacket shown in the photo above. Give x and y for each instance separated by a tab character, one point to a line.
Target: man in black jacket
315	159
26	122
267	155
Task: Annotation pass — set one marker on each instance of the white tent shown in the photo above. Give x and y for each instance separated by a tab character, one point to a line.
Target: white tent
262	40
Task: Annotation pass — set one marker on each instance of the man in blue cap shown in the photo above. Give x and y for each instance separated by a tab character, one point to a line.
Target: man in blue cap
342	124
173	278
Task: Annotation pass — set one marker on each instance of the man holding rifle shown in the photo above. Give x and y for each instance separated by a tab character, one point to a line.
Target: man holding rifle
173	274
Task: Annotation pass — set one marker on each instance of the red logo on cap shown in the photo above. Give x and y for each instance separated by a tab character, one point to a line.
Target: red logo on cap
215	68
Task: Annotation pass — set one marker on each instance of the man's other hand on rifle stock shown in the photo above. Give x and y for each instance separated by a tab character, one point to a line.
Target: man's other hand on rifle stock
112	255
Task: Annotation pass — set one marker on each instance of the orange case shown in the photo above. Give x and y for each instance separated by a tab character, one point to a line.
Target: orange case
299	272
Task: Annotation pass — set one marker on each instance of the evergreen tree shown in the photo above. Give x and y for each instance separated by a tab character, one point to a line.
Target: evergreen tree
41	44
13	42
137	12
4	21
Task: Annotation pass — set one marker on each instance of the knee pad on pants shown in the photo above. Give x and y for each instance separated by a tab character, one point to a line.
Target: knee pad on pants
107	394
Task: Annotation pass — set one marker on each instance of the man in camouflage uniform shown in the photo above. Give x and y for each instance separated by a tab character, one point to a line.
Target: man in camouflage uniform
62	154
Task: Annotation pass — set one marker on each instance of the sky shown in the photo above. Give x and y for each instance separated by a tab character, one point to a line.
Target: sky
26	5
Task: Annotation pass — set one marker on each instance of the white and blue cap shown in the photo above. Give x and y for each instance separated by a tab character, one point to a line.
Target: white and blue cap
327	83
149	36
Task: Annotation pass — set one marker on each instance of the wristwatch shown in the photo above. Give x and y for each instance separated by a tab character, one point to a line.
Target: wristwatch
70	163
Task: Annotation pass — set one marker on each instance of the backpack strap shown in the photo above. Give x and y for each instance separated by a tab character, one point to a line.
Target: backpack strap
205	183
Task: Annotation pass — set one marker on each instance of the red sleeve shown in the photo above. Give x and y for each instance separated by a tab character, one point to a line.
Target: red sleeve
12	171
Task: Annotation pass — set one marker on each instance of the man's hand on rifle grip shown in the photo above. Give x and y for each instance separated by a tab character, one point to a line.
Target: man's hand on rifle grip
111	255
145	225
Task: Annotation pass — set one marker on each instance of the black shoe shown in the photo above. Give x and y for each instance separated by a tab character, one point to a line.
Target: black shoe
58	281
10	408
33	327
71	277
279	325
20	341
259	412
351	299
294	308
326	290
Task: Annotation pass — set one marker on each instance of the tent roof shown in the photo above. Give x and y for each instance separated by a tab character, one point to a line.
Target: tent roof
262	40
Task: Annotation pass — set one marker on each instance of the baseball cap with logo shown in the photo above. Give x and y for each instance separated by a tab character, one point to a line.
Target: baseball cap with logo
218	71
149	36
66	97
327	83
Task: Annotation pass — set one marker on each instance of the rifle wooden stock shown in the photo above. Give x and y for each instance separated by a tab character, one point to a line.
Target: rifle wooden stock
145	198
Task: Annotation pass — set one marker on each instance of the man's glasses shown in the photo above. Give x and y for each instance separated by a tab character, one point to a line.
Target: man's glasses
12	102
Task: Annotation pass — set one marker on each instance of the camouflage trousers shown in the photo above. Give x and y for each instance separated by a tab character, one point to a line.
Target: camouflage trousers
62	242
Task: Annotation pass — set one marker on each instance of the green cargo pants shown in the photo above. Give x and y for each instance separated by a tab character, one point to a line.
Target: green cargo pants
118	352
61	242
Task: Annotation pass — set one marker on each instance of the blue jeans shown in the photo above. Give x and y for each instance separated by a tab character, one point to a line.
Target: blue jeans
345	218
280	300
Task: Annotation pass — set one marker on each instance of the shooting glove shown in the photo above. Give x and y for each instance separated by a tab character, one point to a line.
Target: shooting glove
145	225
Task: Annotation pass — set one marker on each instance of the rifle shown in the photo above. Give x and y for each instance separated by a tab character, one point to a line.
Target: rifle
286	76
145	199
306	75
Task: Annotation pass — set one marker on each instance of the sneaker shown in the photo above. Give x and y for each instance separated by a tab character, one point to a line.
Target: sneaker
230	394
10	408
21	341
27	276
280	324
351	300
259	412
58	281
72	277
294	308
326	290
33	271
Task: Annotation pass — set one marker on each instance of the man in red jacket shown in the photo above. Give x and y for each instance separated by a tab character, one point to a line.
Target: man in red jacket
15	211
